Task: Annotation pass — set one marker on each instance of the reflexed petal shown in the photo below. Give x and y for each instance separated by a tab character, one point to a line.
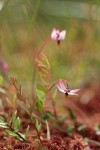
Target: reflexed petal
70	93
60	89
54	34
62	35
61	84
74	91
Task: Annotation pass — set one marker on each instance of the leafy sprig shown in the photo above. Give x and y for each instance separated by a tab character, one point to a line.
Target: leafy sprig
12	127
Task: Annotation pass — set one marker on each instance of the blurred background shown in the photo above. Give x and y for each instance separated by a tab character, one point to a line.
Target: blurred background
25	25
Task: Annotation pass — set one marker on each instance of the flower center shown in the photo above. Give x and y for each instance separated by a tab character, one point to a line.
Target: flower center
67	90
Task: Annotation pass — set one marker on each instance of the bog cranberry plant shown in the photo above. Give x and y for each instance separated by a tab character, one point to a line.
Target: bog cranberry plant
42	91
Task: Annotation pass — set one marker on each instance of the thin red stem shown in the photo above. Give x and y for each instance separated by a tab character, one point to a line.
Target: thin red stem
53	86
45	43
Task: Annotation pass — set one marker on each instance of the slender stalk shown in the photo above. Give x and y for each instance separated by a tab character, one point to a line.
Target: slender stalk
33	80
54	109
52	86
44	44
48	131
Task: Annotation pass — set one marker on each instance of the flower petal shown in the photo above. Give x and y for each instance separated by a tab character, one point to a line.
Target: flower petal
54	34
62	85
62	35
60	89
74	91
70	93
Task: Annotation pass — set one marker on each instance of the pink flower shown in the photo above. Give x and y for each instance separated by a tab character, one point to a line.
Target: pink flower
64	88
58	36
3	65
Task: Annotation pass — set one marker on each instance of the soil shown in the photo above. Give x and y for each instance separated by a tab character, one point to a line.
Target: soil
60	140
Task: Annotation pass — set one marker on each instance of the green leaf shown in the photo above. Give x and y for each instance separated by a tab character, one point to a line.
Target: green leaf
70	128
1	80
81	127
38	126
10	133
1	119
2	122
22	135
15	116
39	105
17	124
72	116
48	115
40	95
41	88
27	130
40	92
37	123
3	125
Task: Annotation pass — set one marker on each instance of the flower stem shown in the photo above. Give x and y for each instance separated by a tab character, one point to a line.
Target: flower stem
45	43
54	109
